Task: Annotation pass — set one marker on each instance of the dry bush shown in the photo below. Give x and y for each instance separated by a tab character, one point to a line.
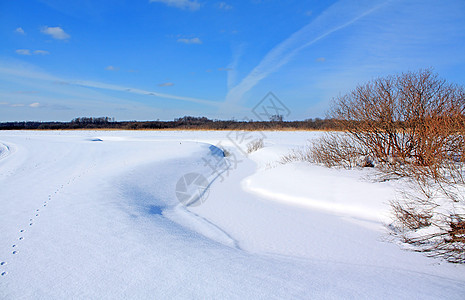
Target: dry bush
410	216
431	215
255	145
411	125
331	150
301	154
412	118
339	150
446	241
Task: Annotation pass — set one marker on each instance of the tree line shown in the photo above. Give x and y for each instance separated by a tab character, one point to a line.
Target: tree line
183	123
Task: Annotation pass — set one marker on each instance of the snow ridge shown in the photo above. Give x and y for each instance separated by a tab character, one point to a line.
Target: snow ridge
4	150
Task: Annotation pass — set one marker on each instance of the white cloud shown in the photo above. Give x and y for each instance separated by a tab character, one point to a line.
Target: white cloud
17	71
183	4
112	87
233	74
166	84
112	68
33	105
23	52
224	6
190	41
333	19
320	59
55	32
41	52
20	30
28	52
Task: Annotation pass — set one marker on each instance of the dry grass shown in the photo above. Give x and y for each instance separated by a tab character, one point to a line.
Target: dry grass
301	154
255	145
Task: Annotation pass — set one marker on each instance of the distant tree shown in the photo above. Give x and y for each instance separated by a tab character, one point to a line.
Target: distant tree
276	118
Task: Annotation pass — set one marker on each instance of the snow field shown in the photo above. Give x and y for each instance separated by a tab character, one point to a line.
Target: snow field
89	214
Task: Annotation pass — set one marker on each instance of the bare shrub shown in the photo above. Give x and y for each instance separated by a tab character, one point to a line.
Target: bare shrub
431	216
301	154
446	241
255	145
331	150
411	125
411	118
411	216
338	149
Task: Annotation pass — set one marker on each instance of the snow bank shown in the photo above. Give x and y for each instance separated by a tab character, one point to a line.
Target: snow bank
341	192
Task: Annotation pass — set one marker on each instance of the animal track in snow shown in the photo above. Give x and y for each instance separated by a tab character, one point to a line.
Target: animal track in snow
31	222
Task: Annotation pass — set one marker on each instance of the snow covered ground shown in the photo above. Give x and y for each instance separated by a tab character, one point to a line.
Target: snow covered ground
96	214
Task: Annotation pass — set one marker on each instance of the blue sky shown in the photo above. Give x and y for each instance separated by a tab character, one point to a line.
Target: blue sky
161	59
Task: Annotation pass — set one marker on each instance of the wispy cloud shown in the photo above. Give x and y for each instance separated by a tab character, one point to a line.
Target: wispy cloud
55	32
166	84
22	73
20	30
224	6
23	52
32	105
41	52
183	4
105	86
195	40
112	68
28	52
338	16
232	75
320	59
